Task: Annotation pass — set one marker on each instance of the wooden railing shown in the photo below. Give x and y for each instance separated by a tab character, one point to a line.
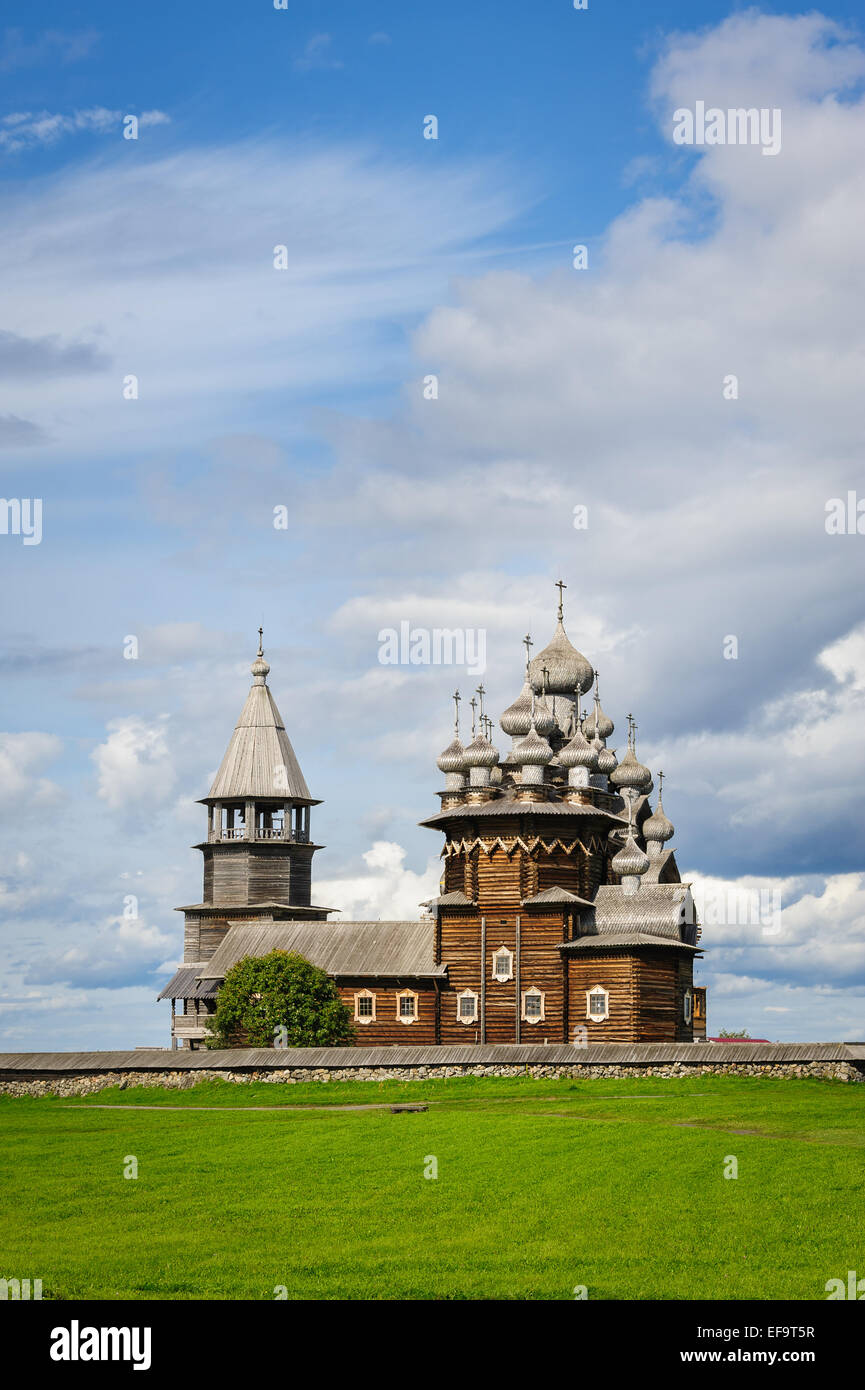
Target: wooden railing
295	837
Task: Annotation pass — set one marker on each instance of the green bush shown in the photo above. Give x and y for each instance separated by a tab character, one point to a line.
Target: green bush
263	995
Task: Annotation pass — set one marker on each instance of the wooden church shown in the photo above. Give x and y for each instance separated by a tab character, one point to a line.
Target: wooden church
561	917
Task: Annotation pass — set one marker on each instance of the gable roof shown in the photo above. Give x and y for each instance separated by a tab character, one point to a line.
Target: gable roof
555	895
347	949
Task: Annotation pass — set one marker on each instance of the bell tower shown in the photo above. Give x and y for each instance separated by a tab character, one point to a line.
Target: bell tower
259	847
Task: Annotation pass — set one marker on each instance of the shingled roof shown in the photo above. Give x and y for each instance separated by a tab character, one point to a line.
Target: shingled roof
660	909
344	949
507	806
259	760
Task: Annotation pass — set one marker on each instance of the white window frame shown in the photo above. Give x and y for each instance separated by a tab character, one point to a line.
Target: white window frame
503	951
467	994
688	1006
536	994
406	994
595	991
358	1016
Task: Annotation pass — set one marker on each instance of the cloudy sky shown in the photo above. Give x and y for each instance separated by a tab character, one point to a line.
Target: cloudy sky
302	388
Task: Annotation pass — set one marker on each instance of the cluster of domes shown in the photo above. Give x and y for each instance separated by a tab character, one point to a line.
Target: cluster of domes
557	748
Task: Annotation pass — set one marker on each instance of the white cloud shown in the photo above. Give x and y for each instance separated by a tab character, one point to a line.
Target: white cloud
388	891
134	765
22	757
22	128
371	243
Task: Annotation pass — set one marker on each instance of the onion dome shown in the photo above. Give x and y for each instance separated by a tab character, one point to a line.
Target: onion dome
517	718
481	753
630	860
607	760
631	774
533	751
579	753
657	826
605	724
567	669
453	759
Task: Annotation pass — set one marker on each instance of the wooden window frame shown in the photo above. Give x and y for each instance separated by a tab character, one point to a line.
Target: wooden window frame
688	1006
358	1016
406	994
535	993
503	979
467	994
595	991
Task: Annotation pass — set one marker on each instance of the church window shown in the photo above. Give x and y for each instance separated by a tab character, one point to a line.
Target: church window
503	965
533	1005
406	1002
364	1006
467	1006
688	1006
597	1003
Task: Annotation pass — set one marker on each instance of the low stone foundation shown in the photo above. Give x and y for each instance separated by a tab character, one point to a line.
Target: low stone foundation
185	1080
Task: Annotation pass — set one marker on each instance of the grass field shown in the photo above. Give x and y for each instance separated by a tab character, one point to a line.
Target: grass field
542	1186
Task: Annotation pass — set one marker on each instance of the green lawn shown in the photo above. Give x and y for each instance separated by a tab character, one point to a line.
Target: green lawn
542	1186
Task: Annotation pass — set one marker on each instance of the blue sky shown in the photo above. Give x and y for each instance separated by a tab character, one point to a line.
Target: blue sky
303	388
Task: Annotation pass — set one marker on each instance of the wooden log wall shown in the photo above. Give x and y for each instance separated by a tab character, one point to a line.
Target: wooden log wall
257	873
616	973
387	1029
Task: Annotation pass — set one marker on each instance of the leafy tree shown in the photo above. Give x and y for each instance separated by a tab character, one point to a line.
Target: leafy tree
279	1000
724	1034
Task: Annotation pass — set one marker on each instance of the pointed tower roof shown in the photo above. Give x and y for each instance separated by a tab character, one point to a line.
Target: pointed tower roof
259	760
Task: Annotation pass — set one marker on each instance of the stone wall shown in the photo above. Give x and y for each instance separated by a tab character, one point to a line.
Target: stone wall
72	1085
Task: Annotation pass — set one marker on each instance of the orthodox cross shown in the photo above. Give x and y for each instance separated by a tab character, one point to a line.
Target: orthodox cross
260	641
660	786
482	693
561	586
456	699
528	644
474	704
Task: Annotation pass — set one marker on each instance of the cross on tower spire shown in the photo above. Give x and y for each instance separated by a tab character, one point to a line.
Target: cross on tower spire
260	641
456	699
561	586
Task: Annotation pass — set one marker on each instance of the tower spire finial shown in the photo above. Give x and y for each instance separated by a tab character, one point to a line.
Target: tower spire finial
528	644
456	699
474	704
260	641
482	693
660	786
561	586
